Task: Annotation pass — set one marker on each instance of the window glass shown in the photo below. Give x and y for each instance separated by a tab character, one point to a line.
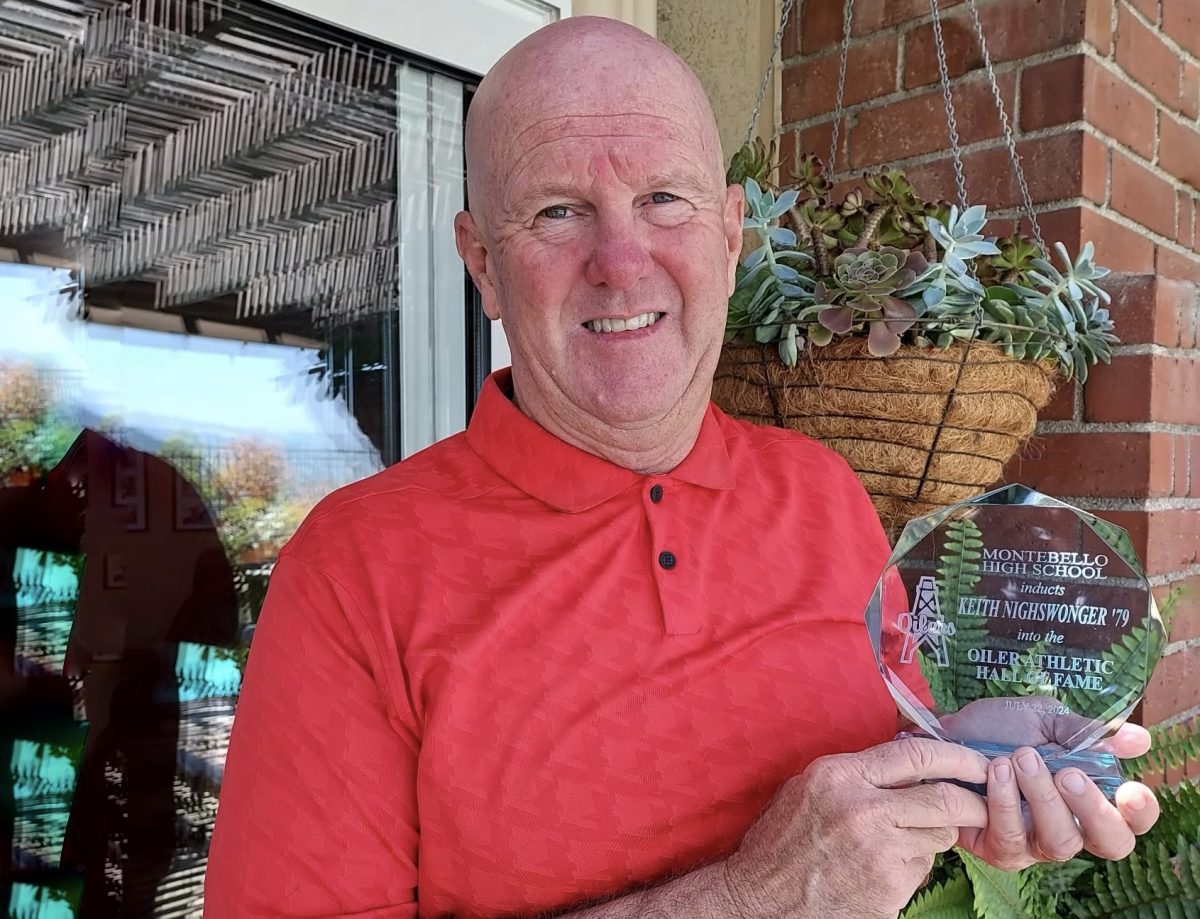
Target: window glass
227	287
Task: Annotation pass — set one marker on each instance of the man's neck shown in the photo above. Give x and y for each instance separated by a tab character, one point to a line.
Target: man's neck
652	448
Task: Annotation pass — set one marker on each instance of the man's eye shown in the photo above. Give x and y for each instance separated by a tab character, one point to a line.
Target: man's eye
554	212
663	197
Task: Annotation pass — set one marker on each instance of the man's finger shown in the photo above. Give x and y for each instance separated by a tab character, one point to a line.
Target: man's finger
1130	740
1057	836
1105	832
1007	834
930	841
1138	806
938	804
919	759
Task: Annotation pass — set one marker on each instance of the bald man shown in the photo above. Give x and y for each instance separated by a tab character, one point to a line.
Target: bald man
602	654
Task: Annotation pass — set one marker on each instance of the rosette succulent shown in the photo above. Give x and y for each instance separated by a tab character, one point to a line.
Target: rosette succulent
863	288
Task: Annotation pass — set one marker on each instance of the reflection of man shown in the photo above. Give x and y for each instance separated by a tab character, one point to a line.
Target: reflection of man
107	501
574	652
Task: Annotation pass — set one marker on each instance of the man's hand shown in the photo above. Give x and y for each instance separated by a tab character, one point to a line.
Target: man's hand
855	834
1062	814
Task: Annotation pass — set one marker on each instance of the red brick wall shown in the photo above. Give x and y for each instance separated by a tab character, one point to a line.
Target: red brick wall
1104	97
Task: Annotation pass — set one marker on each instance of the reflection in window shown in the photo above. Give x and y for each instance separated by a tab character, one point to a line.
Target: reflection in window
200	267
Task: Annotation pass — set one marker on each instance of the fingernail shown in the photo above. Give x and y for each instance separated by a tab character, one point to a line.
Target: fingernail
1003	771
1028	763
1075	783
1137	803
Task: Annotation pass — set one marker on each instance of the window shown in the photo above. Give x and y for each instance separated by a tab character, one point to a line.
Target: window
227	287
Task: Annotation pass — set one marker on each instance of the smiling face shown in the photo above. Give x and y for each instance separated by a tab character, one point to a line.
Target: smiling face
602	230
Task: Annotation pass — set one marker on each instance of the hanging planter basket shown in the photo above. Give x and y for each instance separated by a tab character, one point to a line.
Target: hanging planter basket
923	428
890	327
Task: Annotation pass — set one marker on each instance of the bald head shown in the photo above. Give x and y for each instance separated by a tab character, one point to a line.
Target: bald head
578	68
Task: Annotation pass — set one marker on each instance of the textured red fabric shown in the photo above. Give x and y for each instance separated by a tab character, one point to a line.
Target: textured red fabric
476	690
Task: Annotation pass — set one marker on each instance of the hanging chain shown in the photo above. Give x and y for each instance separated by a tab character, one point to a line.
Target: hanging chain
847	17
1018	171
766	80
951	124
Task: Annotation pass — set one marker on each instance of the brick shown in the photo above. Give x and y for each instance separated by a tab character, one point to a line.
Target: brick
1172	264
1181	21
1052	93
1166	541
1117	246
917	125
1143	387
1097	28
1056	166
1061	225
1013	31
1142	196
1137	525
1062	404
816	23
884	14
1147	58
1172	689
1174	540
1185	227
1176	395
1099	465
1194	467
1179	150
1182	466
817	138
1185	611
1148	8
1147	309
810	86
1118	109
1120	391
1189	91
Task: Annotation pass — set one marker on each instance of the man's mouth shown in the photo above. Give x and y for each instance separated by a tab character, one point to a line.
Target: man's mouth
623	325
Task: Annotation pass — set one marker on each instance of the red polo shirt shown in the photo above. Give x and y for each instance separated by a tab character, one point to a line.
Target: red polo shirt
505	675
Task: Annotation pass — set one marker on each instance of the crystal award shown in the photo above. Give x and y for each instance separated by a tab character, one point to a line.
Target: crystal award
1013	619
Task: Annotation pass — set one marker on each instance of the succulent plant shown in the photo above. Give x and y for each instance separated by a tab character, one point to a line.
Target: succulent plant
862	289
1013	264
809	176
755	160
886	264
771	291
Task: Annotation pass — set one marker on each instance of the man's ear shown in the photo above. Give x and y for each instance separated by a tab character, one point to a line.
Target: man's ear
473	251
735	208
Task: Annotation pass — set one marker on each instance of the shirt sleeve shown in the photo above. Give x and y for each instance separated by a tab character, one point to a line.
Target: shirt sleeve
318	810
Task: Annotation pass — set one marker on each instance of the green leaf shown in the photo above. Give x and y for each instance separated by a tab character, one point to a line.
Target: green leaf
950	899
957	575
1158	880
998	894
1170	747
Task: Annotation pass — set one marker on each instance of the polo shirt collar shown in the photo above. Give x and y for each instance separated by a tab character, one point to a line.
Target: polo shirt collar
566	477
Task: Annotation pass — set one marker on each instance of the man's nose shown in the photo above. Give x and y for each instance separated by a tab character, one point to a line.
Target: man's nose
620	257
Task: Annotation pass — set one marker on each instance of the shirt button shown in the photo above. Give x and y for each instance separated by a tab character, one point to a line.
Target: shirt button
656	493
667	560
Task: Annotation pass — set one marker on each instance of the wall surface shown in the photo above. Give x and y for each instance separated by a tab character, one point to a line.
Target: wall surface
641	13
1104	98
727	43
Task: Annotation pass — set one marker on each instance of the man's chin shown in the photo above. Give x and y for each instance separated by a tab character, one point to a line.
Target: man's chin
632	402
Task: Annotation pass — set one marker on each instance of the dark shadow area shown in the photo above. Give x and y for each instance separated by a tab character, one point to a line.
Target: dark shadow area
111	571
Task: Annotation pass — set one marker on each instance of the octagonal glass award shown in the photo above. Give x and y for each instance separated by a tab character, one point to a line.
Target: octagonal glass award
1013	619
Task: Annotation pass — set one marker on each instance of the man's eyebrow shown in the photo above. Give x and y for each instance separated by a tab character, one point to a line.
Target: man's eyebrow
662	180
550	189
686	181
